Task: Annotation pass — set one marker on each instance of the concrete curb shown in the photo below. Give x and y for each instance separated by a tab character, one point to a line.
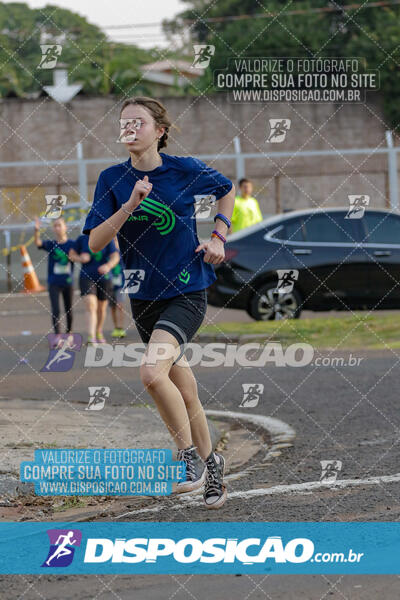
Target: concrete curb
282	434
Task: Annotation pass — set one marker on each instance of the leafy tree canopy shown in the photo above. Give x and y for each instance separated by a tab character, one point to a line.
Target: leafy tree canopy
367	32
102	66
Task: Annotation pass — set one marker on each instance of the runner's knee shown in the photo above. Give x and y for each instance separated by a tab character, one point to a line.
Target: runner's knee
90	302
152	376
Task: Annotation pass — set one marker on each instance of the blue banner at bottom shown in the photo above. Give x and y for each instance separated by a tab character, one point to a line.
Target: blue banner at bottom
209	548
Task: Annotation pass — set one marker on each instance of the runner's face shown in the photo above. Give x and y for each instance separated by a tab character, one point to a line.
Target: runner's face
142	128
59	227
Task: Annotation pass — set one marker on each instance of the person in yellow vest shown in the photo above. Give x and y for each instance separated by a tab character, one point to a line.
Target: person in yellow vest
246	211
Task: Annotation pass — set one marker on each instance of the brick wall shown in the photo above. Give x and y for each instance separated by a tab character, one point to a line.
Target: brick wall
41	129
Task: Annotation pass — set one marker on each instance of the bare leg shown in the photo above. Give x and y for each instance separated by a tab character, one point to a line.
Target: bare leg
119	315
101	315
182	376
164	392
91	317
114	315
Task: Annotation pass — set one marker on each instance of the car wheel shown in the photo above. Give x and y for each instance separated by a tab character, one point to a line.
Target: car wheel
266	304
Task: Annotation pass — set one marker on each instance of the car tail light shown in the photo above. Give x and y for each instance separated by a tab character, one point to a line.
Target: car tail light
230	253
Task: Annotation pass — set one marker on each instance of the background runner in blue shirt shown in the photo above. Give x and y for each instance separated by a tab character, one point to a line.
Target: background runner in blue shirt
117	299
59	271
149	202
95	283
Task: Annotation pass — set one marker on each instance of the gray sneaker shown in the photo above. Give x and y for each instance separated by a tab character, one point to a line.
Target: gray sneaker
195	470
214	490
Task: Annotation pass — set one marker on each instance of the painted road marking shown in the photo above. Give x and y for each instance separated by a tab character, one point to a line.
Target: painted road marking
272	491
15	313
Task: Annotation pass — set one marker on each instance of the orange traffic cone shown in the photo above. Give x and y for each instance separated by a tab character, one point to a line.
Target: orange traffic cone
31	281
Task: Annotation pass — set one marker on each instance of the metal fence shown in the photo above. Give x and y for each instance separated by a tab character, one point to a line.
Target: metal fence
240	158
12	233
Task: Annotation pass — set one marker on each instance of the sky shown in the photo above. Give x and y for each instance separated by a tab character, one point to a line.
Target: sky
122	12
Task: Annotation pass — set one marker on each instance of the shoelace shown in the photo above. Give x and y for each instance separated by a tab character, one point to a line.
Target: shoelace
186	456
213	484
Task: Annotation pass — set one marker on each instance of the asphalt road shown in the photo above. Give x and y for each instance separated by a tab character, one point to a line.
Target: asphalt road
342	413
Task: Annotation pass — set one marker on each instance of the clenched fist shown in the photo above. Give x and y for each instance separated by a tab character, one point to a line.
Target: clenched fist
142	188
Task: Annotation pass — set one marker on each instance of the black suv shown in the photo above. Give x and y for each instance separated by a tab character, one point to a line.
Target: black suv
341	262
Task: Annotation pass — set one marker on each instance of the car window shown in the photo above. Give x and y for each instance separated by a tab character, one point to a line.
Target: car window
381	228
293	231
330	227
289	230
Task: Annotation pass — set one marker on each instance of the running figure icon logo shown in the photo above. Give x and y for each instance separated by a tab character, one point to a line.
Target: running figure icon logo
128	129
133	279
286	279
330	470
279	129
98	396
62	351
54	205
202	55
203	204
251	394
50	54
357	206
62	547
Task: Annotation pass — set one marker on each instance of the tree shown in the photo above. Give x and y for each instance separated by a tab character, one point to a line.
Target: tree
102	66
315	31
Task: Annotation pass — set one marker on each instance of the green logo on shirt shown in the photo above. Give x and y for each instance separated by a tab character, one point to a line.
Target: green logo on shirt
96	255
184	276
60	256
138	218
166	221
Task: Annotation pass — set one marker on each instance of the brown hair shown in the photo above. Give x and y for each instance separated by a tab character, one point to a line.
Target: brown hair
157	111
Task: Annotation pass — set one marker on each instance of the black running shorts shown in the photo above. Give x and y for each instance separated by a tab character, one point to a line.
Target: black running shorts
101	288
181	316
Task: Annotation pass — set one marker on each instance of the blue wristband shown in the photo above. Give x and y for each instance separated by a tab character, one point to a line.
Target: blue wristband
222	218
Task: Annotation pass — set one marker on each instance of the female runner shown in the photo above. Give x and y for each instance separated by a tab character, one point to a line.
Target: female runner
149	202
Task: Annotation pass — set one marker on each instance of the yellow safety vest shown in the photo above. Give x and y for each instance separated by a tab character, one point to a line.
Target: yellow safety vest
246	212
